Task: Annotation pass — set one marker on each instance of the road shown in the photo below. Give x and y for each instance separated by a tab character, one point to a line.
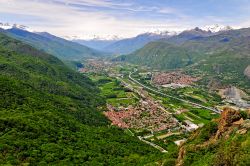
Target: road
152	144
173	97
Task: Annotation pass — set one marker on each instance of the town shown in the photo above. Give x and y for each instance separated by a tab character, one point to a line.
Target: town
157	107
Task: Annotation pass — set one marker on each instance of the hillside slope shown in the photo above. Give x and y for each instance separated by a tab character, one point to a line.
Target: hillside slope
159	55
197	44
223	56
225	141
61	48
50	115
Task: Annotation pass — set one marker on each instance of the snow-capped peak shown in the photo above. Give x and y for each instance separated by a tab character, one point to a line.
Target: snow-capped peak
5	25
93	37
161	32
10	26
216	28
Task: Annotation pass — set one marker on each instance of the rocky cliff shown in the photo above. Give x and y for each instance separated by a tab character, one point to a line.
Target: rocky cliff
224	141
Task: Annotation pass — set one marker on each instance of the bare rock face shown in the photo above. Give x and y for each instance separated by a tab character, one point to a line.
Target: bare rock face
232	92
229	121
247	72
228	117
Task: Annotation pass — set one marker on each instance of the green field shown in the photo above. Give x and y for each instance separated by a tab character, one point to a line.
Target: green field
114	93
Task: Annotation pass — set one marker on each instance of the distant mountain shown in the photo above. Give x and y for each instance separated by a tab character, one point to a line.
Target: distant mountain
217	28
54	45
9	26
76	45
129	45
223	55
125	46
98	44
196	44
186	35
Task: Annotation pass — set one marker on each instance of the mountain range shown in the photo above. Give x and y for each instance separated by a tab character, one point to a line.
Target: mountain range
98	44
199	51
63	49
128	45
77	49
124	46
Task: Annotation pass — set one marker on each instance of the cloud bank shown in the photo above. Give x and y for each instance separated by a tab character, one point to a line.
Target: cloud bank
121	18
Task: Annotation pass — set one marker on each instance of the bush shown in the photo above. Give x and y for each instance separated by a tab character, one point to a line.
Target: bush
104	81
111	96
243	114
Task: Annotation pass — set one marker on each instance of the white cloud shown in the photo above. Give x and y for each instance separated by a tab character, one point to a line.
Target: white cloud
166	10
101	3
63	19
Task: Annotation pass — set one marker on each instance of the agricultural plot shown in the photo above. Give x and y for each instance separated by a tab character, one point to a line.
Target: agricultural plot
115	94
184	111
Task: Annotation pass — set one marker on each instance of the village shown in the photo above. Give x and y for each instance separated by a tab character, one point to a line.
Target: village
173	79
157	117
143	114
147	115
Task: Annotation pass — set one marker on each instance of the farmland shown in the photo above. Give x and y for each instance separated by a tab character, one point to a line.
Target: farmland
148	115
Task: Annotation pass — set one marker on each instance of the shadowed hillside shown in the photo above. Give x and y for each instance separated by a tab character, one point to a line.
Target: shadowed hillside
61	48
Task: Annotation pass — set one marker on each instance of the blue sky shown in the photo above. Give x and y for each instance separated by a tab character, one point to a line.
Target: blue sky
124	18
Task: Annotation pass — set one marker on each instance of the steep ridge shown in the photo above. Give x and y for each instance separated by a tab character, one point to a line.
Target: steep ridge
51	44
159	55
50	115
187	35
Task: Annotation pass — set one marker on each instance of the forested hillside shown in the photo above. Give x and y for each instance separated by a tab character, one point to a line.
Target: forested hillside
50	115
223	56
61	48
159	55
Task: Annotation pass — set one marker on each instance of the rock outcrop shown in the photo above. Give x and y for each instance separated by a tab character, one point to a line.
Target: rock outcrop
247	72
232	92
227	119
230	121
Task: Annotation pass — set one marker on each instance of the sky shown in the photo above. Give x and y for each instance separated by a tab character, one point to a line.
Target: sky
123	18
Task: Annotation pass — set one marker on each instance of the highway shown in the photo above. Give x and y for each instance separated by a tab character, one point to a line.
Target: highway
173	97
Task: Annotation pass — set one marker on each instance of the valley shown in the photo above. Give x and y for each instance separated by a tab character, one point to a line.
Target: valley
162	109
158	114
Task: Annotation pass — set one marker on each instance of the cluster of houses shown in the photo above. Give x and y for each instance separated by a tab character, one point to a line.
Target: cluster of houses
173	79
146	115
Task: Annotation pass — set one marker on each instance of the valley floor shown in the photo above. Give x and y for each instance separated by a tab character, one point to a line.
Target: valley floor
160	117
